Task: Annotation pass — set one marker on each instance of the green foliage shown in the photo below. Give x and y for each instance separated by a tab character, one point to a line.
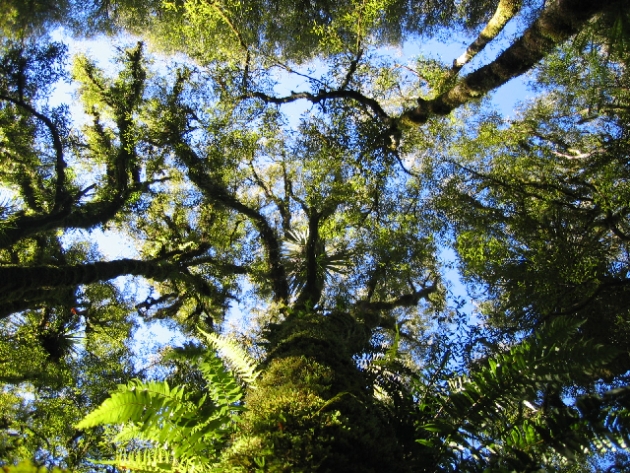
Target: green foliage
28	467
183	426
513	413
241	364
328	229
540	204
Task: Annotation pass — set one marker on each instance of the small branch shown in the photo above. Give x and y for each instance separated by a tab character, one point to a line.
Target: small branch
149	302
405	170
83	192
322	96
284	213
238	35
406	300
578	155
288	191
374	279
370	312
352	69
585	302
300	74
225	268
519	188
616	231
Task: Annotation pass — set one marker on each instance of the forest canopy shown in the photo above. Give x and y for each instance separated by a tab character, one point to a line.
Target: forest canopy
425	284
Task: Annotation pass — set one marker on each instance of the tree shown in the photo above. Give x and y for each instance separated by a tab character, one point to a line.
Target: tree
556	195
329	234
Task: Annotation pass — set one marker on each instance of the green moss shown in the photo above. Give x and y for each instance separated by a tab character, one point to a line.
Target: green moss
313	412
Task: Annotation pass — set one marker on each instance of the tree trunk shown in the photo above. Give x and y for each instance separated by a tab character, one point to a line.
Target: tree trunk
313	410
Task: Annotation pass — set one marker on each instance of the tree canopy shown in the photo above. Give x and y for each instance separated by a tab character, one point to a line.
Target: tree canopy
328	232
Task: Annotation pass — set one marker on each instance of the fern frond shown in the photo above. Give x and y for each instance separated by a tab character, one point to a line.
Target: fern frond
147	461
136	402
511	407
240	363
176	433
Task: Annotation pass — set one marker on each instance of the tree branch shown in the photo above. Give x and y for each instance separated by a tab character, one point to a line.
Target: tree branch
83	216
23	282
282	208
19	280
406	300
506	9
558	22
216	192
238	35
61	194
322	96
352	69
370	312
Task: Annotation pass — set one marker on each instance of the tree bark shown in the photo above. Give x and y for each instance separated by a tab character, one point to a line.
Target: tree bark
18	280
504	13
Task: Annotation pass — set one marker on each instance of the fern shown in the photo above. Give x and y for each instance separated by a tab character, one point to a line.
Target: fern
138	402
509	414
149	461
239	361
180	427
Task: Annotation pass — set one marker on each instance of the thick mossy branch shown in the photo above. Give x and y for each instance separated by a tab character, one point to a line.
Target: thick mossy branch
558	22
506	9
32	283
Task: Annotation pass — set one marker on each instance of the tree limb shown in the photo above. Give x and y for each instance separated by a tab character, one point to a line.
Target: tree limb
406	300
352	69
216	192
323	96
506	9
22	282
370	312
84	216
558	22
61	193
280	204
